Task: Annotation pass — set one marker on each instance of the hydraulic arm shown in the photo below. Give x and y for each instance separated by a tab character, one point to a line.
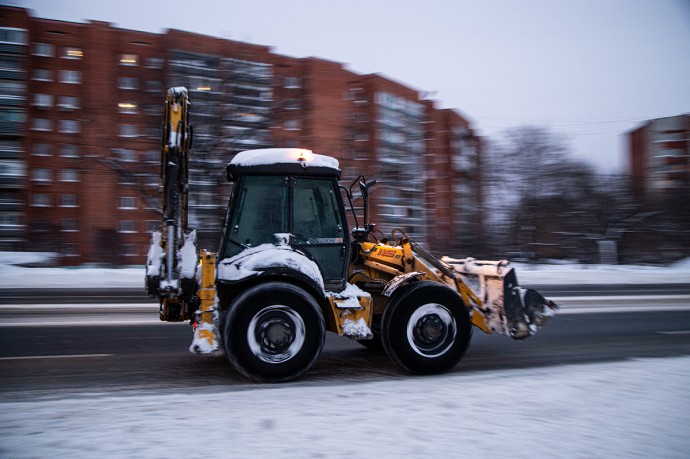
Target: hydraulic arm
173	257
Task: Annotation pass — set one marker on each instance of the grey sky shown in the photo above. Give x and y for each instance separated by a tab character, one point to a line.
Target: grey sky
589	69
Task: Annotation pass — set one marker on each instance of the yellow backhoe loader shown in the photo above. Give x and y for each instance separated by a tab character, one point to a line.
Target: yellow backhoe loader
289	269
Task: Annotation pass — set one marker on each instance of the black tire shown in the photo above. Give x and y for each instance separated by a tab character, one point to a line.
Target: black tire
426	328
274	332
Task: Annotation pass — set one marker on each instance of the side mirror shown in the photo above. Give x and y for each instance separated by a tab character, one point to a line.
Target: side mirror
364	188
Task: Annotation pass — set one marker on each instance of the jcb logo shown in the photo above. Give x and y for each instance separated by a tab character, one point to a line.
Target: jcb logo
386	253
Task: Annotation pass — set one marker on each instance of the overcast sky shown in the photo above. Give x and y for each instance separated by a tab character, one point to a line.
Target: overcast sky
588	69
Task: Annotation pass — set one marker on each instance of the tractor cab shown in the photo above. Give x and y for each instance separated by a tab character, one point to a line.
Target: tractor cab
288	197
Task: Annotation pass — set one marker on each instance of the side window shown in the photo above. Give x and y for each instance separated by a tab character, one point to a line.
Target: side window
260	212
316	216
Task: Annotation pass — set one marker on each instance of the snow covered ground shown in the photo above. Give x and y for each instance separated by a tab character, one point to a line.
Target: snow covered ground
13	276
638	408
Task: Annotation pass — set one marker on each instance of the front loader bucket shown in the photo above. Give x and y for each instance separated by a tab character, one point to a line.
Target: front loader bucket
505	307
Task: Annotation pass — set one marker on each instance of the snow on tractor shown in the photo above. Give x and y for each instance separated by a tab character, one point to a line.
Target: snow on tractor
289	269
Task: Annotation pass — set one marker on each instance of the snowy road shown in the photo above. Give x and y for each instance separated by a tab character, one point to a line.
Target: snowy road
588	385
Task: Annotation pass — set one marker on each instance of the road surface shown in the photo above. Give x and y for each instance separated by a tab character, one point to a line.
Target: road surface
56	350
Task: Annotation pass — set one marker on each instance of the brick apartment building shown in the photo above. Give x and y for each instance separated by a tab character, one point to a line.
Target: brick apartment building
660	156
81	108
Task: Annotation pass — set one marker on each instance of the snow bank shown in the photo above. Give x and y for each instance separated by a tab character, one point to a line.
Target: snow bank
602	274
13	276
636	408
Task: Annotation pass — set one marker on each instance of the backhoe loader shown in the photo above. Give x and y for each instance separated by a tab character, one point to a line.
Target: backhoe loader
289	269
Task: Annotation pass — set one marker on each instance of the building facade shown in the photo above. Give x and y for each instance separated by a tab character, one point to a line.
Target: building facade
81	107
659	156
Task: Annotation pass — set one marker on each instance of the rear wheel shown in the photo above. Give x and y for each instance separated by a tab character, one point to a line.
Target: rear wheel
274	332
426	328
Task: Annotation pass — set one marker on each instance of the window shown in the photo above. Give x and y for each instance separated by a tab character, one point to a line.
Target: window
154	62
292	125
42	149
153	85
127	107
40	225
41	124
69	127
68	103
124	154
128	83
129	250
129	59
43	75
68	200
69	151
126	226
127	202
14	36
69	175
292	104
42	100
293	82
70	76
40	200
128	130
68	225
151	225
70	249
42	175
260	213
44	49
152	156
12	88
72	53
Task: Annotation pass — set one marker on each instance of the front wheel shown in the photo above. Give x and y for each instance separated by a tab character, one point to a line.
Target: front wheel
274	332
426	328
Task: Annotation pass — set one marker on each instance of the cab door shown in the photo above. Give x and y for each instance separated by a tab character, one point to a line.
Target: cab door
319	227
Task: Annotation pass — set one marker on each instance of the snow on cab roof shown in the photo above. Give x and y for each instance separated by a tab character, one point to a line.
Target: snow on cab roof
268	156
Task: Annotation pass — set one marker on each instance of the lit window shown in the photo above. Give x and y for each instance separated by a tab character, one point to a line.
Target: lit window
70	76
44	49
129	59
127	107
72	53
68	200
